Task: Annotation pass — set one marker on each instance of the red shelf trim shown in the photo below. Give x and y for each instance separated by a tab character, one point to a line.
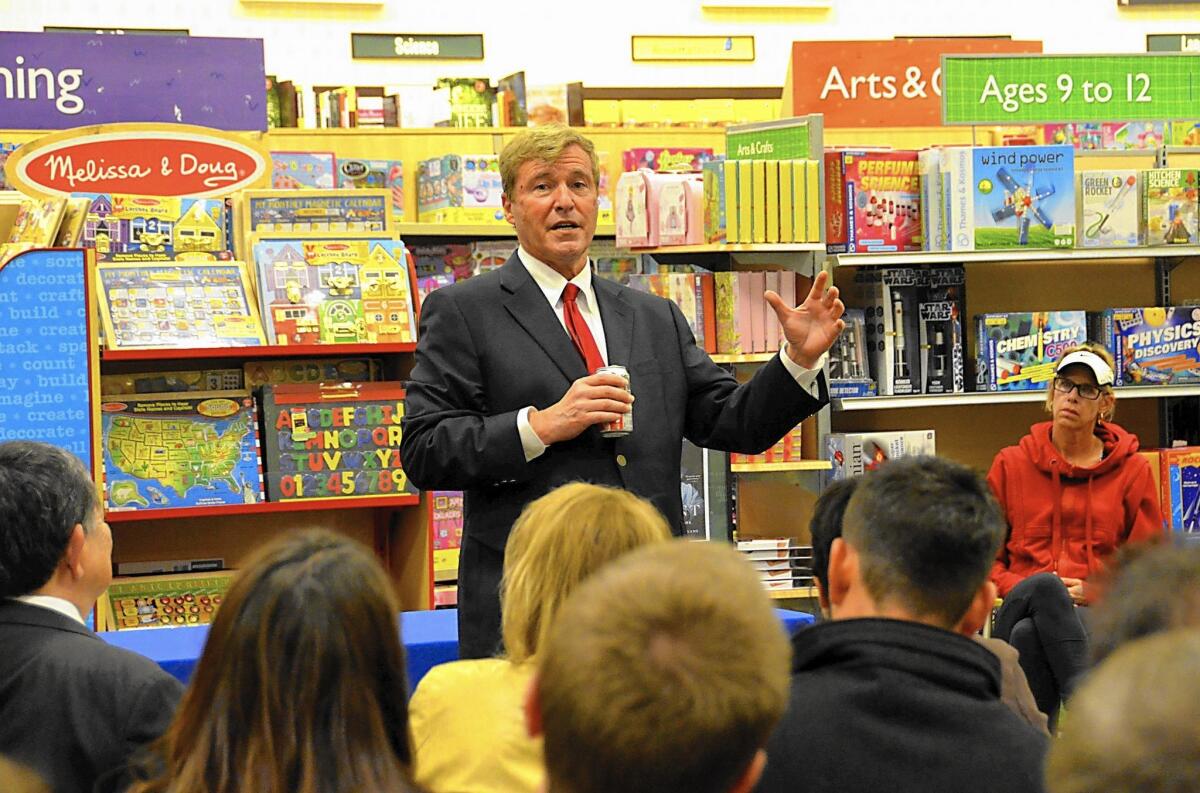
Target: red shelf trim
249	353
263	507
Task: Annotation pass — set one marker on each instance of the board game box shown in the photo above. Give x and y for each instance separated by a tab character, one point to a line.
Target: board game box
446	527
375	175
1017	351
460	188
1109	209
162	601
303	170
172	382
180	450
334	441
1180	479
133	228
882	207
665	159
311	370
335	291
265	214
37	221
178	304
1169	209
1153	345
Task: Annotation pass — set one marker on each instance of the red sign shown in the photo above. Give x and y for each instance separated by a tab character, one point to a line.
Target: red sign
147	159
893	83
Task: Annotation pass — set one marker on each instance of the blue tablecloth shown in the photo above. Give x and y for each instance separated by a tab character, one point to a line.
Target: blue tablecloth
430	638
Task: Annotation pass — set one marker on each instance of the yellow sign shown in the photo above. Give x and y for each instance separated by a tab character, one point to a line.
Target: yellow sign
693	48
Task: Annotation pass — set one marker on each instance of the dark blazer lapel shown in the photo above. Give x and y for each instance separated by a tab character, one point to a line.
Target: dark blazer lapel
528	306
617	318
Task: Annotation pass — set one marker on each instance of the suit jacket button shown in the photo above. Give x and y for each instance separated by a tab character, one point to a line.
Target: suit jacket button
621	460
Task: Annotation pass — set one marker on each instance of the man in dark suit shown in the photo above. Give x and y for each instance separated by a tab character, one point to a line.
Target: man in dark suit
504	401
72	708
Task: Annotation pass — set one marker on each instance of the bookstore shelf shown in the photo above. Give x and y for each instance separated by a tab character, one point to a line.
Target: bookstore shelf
767	468
743	357
1000	397
792	594
1013	255
263	507
252	353
418	229
722	247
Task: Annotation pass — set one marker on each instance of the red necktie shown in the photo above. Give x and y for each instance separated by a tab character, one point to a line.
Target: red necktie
577	328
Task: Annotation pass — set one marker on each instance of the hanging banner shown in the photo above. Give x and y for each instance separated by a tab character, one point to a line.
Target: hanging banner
894	83
47	356
1039	89
144	159
61	80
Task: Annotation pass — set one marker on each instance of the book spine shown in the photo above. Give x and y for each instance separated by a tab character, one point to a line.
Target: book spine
759	182
745	201
812	199
730	188
772	205
787	224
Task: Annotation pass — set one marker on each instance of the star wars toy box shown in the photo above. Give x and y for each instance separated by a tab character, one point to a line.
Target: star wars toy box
855	453
914	328
849	372
1109	209
1169	206
1180	480
1153	345
882	207
460	188
1016	351
1009	197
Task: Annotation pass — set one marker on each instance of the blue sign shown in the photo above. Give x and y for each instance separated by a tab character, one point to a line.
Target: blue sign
44	355
63	80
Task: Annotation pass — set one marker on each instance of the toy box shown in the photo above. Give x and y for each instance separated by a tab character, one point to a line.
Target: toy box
1109	209
334	441
1017	351
171	382
665	159
256	374
714	200
1080	136
1180	479
1153	345
1169	206
940	315
933	211
312	213
459	188
882	206
375	175
1133	135
180	450
303	170
130	228
335	291
446	527
5	150
1020	197
162	601
853	454
848	365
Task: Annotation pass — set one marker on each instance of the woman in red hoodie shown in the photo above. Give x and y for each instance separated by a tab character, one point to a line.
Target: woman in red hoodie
1073	491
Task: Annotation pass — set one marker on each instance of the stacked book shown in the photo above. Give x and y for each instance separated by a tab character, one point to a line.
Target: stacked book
781	563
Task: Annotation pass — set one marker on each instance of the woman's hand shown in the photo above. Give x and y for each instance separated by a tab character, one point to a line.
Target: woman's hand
1075	590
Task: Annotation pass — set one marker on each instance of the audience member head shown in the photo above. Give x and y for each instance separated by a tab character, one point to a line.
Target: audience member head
1155	588
301	686
558	541
54	539
1134	724
665	671
16	778
825	527
918	540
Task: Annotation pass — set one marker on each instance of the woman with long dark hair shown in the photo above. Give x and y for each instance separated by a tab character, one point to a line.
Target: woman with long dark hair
301	687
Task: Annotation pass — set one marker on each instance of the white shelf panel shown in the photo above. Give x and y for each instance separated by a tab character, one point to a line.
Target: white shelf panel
1001	398
1011	255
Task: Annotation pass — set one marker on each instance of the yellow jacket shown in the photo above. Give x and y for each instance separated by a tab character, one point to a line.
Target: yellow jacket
468	728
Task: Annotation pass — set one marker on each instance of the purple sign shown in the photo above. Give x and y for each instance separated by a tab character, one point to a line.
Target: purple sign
63	80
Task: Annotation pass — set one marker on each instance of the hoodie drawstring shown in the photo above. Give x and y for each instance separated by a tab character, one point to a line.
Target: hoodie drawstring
1056	538
1088	523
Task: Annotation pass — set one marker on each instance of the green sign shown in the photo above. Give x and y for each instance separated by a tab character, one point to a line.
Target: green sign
785	139
417	46
1036	89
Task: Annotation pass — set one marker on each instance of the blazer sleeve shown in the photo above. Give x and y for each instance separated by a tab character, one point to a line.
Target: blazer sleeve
748	418
450	441
152	707
1001	576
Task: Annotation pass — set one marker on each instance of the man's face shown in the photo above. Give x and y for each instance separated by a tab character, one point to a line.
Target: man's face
554	208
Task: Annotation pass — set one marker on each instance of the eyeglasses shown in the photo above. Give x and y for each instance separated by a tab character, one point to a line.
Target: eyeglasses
1086	390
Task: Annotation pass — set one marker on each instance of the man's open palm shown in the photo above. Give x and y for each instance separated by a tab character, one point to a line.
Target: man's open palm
811	327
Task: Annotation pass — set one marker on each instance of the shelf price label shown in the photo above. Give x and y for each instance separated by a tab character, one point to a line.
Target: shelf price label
1038	89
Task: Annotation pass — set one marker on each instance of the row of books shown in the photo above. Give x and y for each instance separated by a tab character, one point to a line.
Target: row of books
788	449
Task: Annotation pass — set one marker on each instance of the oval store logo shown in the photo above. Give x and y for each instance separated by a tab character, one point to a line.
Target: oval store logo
148	159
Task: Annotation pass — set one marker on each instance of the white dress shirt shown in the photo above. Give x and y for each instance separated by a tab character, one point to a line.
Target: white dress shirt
552	283
64	607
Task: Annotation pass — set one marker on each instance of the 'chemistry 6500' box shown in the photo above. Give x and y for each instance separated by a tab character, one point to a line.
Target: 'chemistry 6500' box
1017	351
1153	345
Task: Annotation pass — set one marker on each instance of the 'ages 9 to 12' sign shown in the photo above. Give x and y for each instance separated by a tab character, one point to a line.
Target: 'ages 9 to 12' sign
1050	88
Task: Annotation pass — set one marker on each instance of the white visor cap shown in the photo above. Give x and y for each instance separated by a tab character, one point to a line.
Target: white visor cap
1099	367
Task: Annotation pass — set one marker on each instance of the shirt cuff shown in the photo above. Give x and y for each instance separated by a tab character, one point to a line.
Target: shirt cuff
805	378
530	441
